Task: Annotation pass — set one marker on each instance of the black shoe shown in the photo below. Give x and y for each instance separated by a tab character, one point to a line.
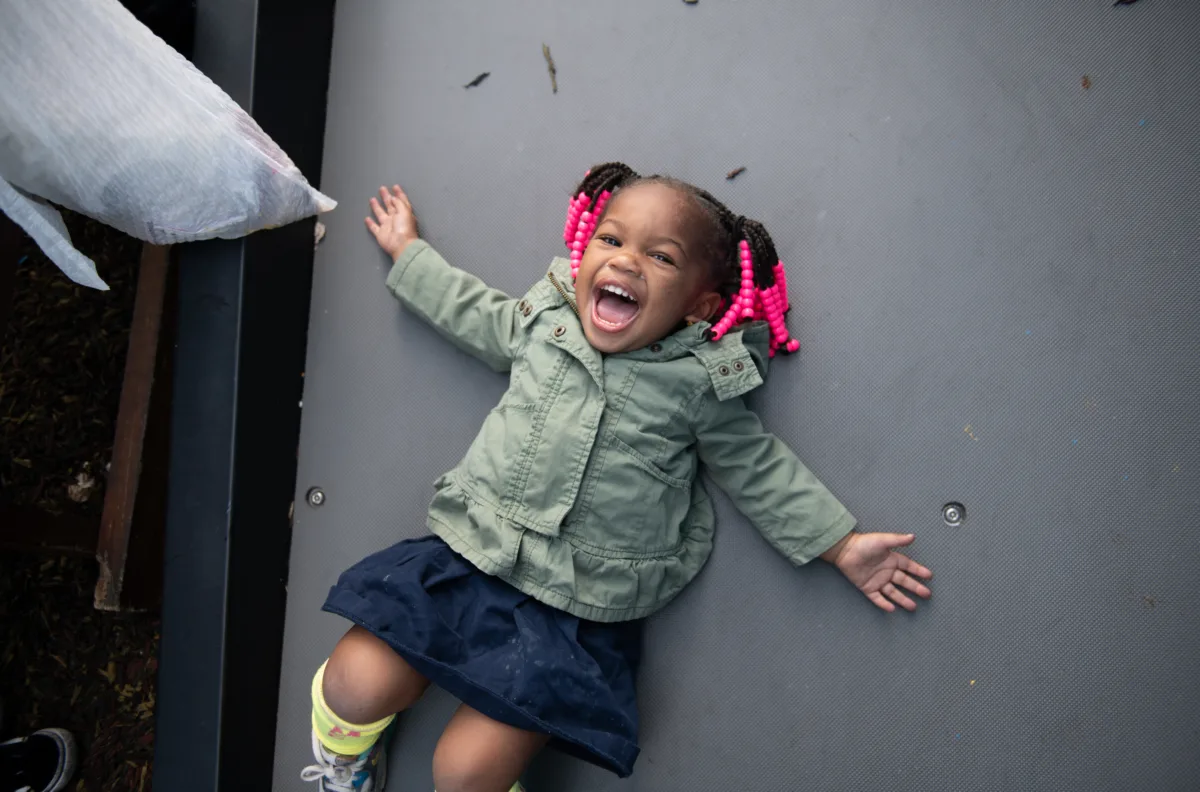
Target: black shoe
42	762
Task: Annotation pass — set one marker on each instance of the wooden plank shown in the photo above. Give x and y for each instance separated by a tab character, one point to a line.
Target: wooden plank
125	471
143	582
28	529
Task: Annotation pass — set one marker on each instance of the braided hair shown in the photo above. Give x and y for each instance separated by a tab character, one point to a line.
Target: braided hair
747	270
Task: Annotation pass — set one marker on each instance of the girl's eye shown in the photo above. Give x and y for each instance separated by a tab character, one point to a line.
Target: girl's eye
664	258
608	240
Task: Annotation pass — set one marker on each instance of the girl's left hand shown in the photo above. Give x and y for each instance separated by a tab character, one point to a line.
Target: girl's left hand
870	561
395	225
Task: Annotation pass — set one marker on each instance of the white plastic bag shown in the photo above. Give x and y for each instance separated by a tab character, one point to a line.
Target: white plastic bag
101	116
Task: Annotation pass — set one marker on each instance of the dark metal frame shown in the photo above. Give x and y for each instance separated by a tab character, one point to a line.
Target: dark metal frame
242	337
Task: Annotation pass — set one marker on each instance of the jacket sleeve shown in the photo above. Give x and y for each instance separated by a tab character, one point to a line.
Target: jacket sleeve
767	482
462	308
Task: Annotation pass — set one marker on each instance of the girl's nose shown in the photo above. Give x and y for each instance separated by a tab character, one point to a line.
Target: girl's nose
625	263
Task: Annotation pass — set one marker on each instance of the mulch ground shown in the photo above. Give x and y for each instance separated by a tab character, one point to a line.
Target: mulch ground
62	663
62	359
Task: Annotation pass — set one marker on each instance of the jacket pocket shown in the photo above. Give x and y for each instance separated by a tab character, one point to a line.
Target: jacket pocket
648	466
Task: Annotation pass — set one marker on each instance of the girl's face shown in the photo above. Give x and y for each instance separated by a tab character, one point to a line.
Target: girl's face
644	270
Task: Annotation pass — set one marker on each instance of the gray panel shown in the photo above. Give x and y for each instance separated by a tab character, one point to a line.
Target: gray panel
973	239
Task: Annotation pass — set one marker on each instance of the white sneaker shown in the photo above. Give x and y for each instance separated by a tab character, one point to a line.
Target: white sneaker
366	772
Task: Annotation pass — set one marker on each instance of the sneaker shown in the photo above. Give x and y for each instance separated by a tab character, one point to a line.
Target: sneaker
42	762
366	772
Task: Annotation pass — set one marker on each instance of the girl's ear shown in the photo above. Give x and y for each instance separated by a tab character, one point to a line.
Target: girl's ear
705	308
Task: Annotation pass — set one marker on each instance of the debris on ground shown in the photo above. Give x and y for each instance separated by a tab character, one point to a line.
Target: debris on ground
1086	82
478	80
81	490
550	67
733	174
318	234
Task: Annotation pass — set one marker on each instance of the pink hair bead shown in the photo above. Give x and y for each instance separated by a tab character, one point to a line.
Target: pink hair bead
793	346
586	216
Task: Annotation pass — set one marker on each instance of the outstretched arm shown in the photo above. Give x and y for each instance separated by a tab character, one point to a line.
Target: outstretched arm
767	482
474	317
793	509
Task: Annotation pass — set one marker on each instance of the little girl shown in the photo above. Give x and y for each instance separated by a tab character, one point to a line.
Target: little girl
578	511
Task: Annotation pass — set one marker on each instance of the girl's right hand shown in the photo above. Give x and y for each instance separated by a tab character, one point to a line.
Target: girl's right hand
394	226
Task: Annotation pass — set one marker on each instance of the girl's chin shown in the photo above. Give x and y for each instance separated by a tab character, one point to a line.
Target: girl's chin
608	342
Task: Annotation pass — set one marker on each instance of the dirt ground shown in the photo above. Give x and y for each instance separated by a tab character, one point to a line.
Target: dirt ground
64	664
61	662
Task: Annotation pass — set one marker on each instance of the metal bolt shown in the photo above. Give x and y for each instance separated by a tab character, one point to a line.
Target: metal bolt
954	513
316	497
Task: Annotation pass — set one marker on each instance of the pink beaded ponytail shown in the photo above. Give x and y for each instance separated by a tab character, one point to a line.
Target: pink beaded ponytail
761	295
587	206
751	275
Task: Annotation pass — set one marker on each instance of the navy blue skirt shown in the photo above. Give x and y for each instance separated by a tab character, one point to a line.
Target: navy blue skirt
500	651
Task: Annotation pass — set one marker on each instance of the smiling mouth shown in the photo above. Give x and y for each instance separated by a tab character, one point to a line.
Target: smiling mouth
613	308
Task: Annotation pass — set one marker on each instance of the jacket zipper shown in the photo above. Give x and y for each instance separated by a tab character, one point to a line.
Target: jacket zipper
564	294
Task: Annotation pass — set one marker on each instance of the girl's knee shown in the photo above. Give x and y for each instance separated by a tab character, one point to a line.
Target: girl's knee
457	768
476	754
365	680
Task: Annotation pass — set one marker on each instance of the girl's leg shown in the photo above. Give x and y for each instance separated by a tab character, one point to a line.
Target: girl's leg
365	680
478	754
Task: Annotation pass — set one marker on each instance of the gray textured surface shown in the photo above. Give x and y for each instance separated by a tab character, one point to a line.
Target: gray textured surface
973	239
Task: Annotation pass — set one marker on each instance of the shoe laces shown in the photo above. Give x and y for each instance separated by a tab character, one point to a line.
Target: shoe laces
336	773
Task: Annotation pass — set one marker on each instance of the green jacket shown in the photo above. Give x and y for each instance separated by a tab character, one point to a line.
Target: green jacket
582	487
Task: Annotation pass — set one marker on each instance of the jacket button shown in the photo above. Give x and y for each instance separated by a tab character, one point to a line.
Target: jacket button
738	366
656	347
558	331
724	371
527	309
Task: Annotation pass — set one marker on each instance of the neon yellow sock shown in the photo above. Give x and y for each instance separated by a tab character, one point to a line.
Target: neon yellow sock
340	736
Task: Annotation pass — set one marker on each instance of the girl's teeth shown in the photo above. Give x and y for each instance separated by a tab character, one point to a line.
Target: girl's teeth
620	292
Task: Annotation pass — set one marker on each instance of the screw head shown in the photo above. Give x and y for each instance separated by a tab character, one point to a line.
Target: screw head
316	497
954	513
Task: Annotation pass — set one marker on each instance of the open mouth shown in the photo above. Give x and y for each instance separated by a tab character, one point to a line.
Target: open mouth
613	307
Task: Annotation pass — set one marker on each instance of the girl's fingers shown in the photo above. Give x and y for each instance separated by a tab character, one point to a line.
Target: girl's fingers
881	601
372	226
380	212
401	195
388	200
908	565
897	596
901	579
